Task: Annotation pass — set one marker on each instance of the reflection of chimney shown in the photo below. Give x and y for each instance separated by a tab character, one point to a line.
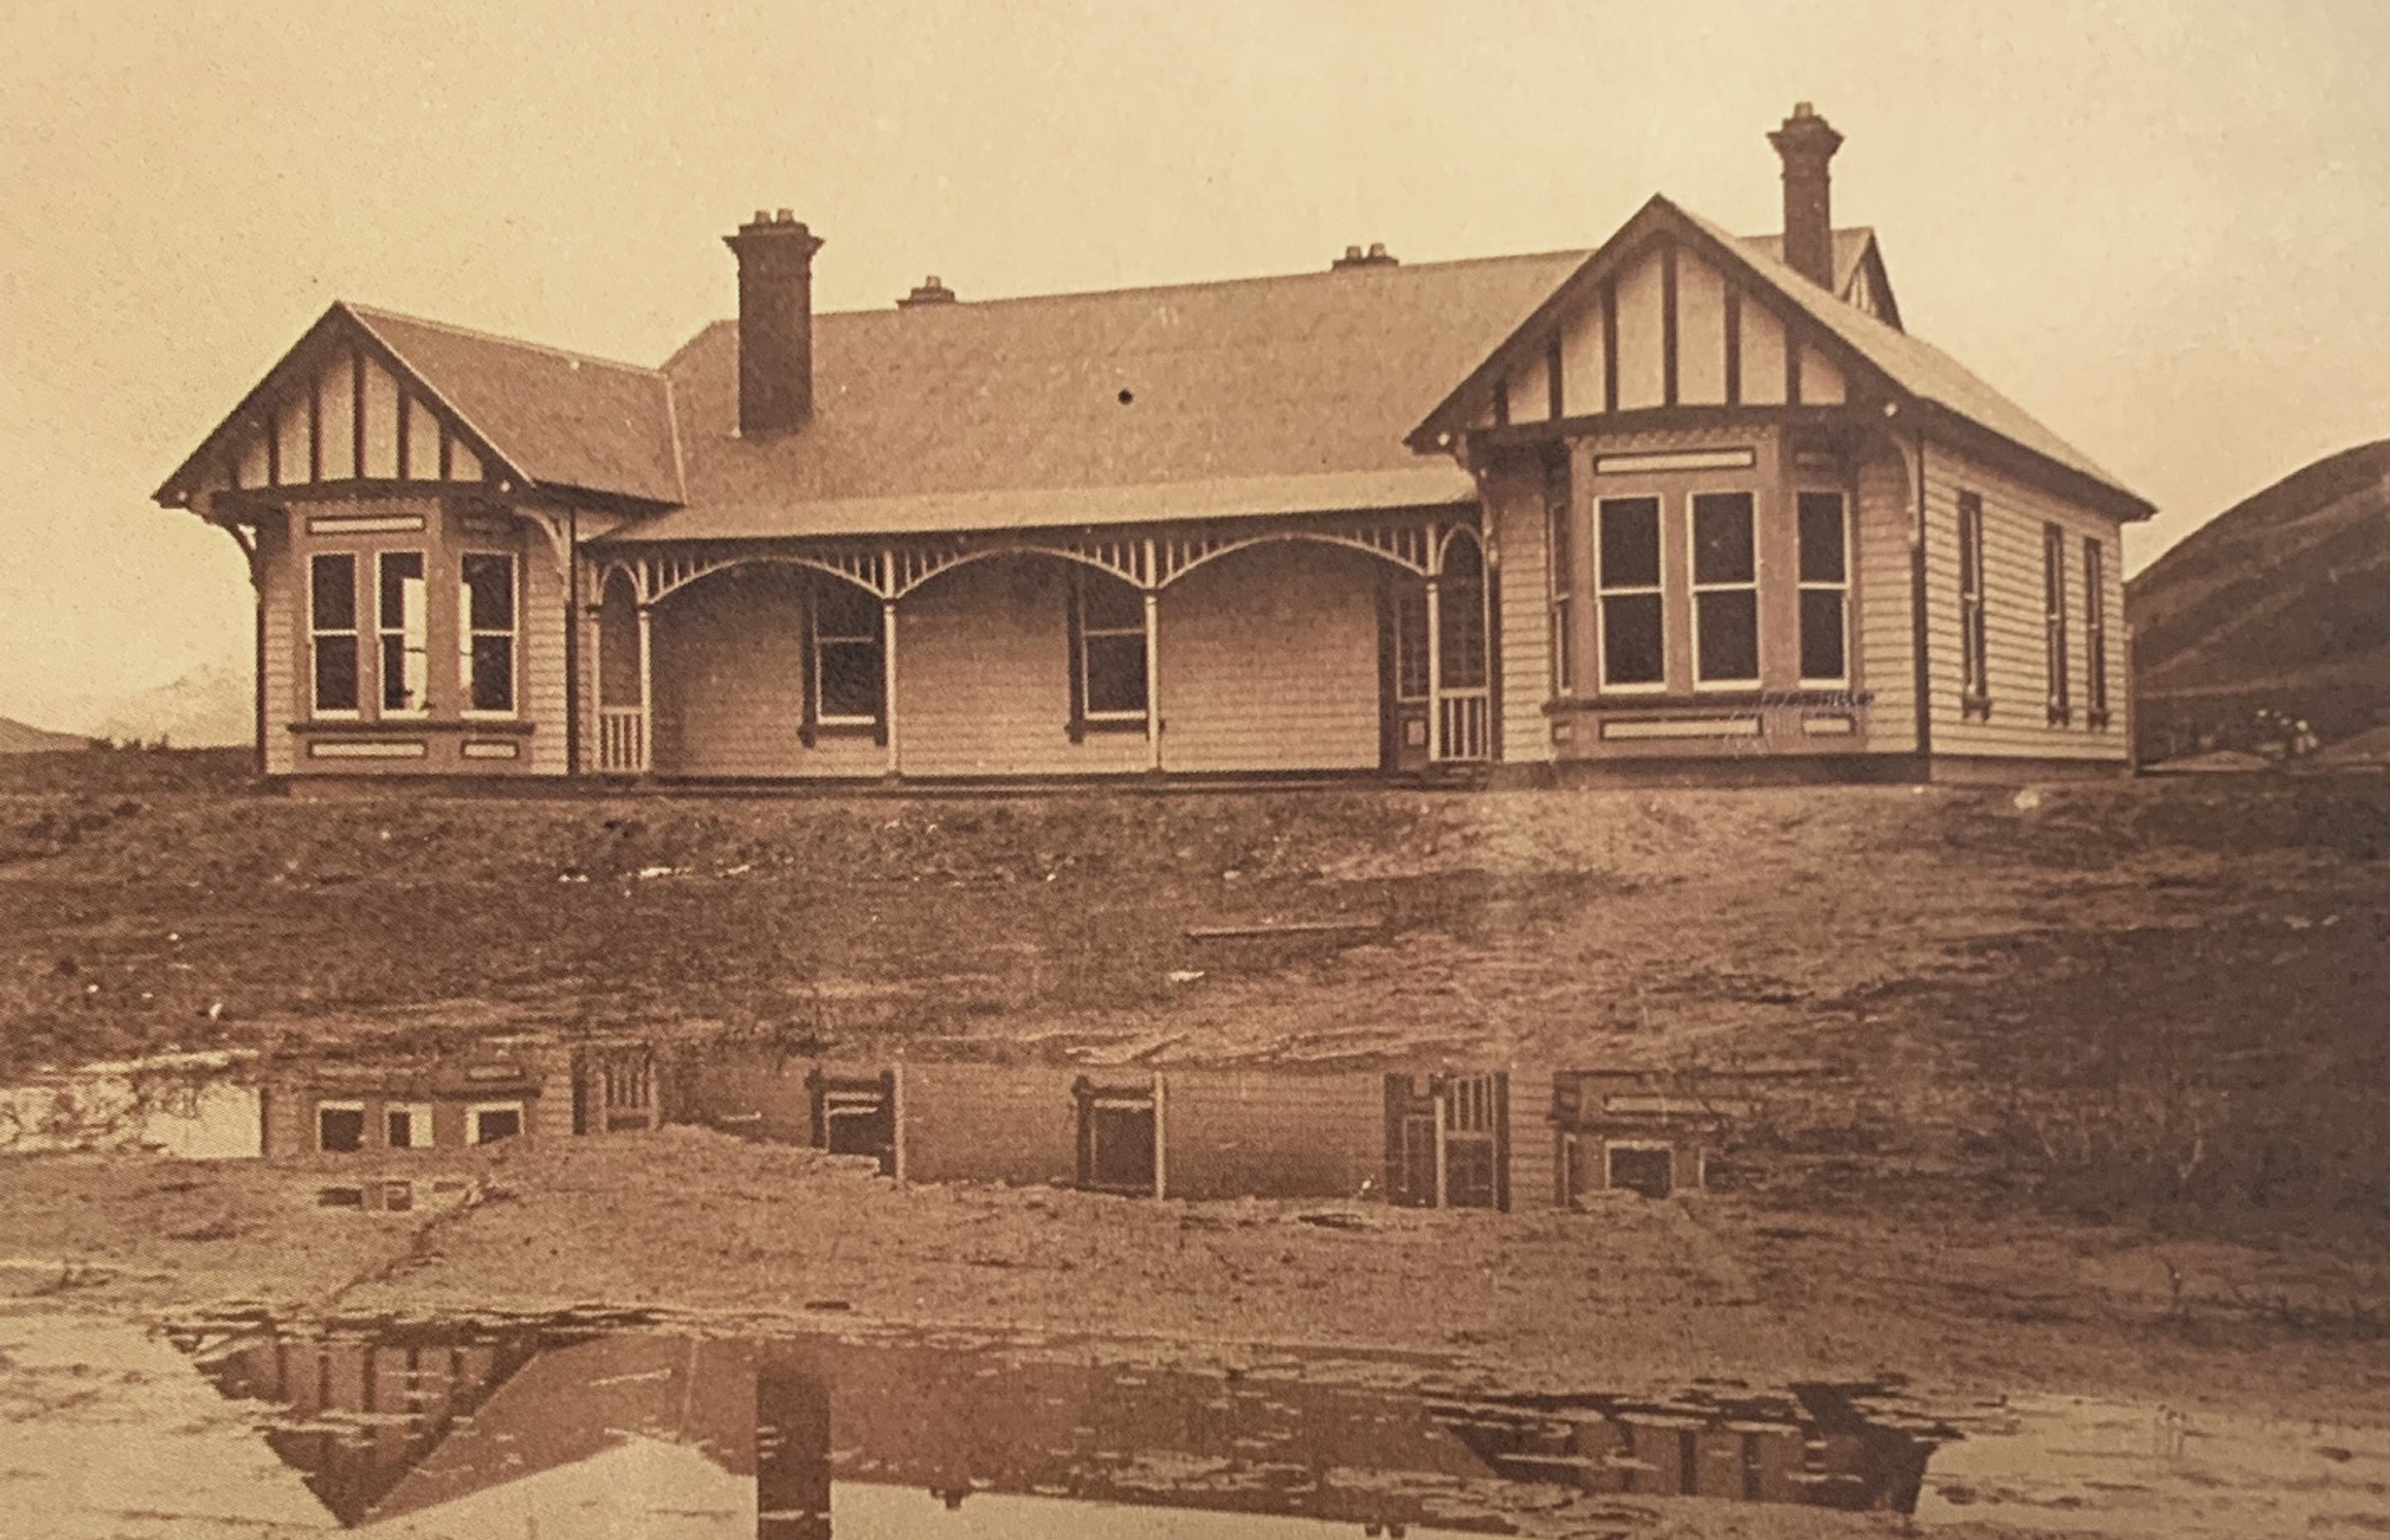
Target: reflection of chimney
791	1456
1807	143
775	323
929	291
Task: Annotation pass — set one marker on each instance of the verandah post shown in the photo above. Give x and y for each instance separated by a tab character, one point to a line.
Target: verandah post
647	687
1152	680
1436	745
888	677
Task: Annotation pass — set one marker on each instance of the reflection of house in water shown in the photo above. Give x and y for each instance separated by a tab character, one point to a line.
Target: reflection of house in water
1440	1139
501	1430
1809	1447
510	1088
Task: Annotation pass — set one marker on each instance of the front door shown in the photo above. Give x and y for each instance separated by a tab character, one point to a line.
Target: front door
1403	714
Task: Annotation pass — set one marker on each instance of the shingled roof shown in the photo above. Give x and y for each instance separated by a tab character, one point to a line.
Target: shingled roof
1260	395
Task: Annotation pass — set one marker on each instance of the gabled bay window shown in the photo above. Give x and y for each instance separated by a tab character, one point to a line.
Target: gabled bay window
1726	590
1824	539
485	633
1628	594
1107	641
332	634
404	627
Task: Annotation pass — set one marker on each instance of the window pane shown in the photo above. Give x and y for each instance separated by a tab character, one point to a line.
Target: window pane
492	684
336	674
1115	673
342	1128
1821	537
1630	640
1463	663
335	593
1120	1147
1630	542
1410	642
402	683
490	593
1722	548
850	679
1108	603
1729	635
1821	633
493	1125
402	590
843	610
402	1129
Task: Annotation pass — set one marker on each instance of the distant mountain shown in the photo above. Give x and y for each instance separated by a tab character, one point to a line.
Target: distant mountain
16	738
2280	603
209	707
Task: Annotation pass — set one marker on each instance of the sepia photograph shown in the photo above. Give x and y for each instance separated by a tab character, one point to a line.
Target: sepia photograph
1582	769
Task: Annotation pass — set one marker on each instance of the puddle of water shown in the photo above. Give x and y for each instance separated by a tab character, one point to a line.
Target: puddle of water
590	1427
1503	1137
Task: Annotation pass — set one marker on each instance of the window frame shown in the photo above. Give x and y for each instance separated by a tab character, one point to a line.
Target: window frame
1082	675
2055	663
2094	632
474	1114
1559	565
384	633
873	637
316	633
468	634
1974	636
1695	589
1604	591
1805	586
418	1124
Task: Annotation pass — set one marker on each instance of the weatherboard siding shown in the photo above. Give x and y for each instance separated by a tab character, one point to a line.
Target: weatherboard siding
1268	662
1521	538
2014	514
983	677
540	662
1885	641
281	596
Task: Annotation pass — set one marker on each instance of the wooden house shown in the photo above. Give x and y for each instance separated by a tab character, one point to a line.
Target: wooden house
1684	497
512	1088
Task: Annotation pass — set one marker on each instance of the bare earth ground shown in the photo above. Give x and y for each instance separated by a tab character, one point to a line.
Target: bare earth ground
2098	1083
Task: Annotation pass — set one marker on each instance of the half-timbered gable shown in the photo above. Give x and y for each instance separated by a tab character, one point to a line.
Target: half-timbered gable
1688	497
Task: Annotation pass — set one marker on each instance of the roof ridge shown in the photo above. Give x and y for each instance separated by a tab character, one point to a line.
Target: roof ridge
370	313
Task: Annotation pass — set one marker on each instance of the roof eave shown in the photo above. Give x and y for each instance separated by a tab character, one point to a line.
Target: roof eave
2081	486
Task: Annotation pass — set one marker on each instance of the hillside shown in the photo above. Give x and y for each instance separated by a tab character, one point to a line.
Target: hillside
2281	601
17	738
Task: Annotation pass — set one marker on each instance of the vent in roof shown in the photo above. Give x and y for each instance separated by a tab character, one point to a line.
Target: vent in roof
929	292
1377	256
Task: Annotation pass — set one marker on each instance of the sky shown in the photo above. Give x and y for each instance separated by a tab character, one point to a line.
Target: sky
2163	227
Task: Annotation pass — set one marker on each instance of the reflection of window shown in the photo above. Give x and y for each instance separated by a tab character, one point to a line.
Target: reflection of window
1726	590
1109	620
1976	689
847	669
341	1125
2053	590
1116	1138
400	619
495	1121
1825	588
486	632
408	1127
332	633
2094	632
1648	1169
1627	581
1563	552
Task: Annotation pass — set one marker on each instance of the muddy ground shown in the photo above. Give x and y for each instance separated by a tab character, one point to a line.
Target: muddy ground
2094	1078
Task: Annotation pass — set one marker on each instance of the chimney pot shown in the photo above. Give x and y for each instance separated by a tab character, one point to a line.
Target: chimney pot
1377	251
775	324
929	292
762	216
1806	143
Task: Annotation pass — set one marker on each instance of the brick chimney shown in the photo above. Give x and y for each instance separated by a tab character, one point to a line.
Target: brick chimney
775	323
1807	143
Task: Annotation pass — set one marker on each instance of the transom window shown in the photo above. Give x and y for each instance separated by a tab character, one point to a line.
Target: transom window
1825	588
1626	585
400	616
1108	622
848	671
332	631
486	636
1725	589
